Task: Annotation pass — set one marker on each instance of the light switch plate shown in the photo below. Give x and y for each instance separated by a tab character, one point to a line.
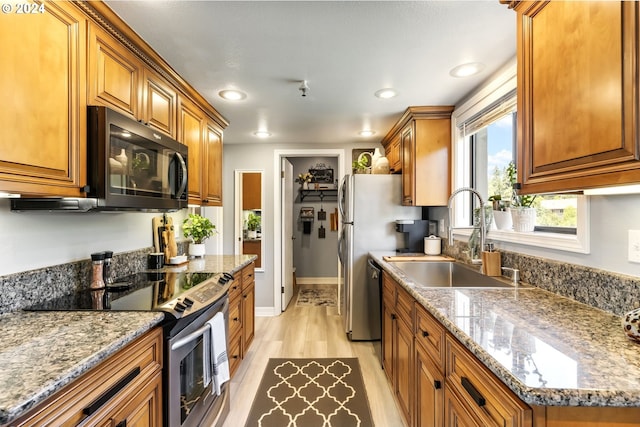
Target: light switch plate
634	246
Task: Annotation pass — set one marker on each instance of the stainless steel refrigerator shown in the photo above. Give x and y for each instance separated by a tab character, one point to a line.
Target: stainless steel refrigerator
369	206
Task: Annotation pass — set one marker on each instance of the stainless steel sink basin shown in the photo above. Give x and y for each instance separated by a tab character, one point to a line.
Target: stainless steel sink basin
449	275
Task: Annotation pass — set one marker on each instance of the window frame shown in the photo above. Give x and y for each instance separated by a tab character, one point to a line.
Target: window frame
462	154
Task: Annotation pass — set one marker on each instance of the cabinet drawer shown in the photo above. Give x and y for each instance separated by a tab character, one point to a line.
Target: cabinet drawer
404	305
481	392
248	275
235	288
430	334
235	316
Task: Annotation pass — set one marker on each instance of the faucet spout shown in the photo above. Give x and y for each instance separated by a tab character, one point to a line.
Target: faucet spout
483	231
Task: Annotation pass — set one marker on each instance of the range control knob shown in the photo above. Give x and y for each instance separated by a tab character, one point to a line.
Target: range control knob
179	307
187	302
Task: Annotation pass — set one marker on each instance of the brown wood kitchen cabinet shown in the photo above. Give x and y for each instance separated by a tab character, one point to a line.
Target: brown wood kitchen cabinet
425	141
241	315
429	368
578	94
125	389
204	139
43	118
398	345
392	152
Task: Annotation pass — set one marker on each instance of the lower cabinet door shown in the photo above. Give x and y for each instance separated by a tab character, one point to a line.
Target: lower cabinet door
429	391
455	412
404	369
387	341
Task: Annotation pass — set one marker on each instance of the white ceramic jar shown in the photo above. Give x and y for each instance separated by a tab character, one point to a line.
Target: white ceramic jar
432	245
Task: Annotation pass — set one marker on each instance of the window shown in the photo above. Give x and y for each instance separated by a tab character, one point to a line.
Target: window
484	146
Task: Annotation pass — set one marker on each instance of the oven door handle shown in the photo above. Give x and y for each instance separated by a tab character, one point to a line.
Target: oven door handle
191	337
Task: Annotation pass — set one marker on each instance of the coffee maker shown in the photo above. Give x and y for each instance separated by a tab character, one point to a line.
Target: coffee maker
414	231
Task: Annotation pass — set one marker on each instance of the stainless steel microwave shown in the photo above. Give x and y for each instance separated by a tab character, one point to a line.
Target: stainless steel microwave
130	167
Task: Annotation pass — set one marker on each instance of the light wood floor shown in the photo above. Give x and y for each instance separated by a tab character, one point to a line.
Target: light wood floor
308	332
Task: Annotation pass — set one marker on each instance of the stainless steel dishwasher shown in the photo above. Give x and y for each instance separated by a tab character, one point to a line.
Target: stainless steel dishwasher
374	295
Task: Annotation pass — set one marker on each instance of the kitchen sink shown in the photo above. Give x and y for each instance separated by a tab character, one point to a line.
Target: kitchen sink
449	275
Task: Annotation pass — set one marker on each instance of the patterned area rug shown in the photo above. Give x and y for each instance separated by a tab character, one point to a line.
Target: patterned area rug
311	393
318	296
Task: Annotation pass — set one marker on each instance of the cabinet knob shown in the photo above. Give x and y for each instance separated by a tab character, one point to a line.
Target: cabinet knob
424	333
235	319
393	317
437	385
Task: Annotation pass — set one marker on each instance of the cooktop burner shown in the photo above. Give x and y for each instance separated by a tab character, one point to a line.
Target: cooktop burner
176	293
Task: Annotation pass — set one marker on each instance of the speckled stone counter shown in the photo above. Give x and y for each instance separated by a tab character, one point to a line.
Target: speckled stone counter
40	352
215	264
548	349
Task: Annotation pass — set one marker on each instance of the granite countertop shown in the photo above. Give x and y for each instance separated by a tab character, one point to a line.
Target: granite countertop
549	350
40	352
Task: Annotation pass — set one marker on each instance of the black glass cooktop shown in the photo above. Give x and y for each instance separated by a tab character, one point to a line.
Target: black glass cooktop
147	291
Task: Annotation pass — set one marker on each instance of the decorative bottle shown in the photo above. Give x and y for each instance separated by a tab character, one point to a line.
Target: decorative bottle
106	268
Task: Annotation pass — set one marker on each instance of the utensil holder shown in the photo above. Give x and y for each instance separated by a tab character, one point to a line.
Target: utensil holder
491	262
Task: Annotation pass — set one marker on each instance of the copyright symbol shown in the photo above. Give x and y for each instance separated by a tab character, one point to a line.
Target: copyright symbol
6	8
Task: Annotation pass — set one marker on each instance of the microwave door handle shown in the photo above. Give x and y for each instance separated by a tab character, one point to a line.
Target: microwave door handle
183	184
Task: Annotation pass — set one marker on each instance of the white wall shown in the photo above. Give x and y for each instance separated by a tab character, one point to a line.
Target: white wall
31	240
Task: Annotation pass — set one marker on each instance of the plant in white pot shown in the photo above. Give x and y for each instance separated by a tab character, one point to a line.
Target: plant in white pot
253	223
523	214
198	229
501	214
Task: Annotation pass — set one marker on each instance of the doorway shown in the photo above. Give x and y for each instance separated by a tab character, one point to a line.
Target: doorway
283	273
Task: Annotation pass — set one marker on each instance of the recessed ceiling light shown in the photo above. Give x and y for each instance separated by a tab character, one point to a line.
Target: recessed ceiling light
466	70
262	134
386	93
366	133
232	95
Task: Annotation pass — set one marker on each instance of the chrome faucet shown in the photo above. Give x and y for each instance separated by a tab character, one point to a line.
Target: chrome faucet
483	231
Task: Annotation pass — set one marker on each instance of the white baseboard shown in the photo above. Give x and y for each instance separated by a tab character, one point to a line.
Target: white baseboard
266	312
317	280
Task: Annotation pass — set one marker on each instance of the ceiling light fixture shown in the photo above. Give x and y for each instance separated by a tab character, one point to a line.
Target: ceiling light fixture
366	132
386	93
232	95
262	134
466	70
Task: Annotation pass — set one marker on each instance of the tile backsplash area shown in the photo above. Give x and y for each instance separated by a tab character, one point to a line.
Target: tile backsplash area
612	292
21	290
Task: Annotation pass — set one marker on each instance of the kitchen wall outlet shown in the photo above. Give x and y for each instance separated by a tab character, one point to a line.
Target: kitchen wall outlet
441	226
634	246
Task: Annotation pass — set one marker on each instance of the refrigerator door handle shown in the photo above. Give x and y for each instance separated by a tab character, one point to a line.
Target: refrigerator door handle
340	245
341	196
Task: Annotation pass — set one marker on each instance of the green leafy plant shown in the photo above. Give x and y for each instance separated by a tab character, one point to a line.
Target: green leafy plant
497	203
198	228
517	200
253	222
360	165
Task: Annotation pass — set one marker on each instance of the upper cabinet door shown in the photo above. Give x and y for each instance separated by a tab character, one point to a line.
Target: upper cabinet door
159	104
190	132
212	166
43	108
114	74
577	95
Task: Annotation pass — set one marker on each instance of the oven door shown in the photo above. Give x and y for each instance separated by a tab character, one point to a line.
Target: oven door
190	393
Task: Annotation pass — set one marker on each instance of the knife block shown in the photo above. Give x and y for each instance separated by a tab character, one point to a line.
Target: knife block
491	262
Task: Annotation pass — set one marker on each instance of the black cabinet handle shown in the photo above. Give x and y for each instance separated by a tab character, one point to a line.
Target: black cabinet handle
475	394
96	404
393	317
122	423
424	333
437	385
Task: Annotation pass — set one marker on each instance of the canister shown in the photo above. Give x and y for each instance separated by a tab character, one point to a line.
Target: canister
432	245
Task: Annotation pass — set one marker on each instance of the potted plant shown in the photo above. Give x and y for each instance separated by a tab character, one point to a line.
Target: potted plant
523	214
253	223
501	214
304	179
198	229
361	165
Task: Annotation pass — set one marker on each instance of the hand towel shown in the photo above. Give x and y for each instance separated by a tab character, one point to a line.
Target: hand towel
219	358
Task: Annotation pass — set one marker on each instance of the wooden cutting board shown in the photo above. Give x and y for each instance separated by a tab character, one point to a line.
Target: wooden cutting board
421	258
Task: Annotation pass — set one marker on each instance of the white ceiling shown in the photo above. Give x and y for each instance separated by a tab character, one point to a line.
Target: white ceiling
346	50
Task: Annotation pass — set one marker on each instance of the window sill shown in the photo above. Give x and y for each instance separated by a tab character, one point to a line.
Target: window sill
563	242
